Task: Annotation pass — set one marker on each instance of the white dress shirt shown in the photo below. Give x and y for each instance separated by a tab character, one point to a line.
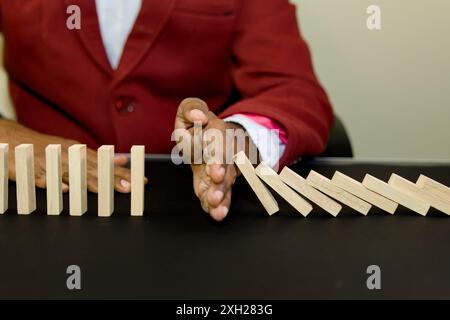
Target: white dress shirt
117	18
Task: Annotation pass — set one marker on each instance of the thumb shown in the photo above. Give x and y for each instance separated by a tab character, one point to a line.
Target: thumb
191	110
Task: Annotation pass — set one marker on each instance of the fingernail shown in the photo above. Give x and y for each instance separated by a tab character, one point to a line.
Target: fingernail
223	211
125	184
218	194
64	187
197	114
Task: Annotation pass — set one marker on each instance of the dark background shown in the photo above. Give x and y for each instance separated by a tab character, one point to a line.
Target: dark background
177	252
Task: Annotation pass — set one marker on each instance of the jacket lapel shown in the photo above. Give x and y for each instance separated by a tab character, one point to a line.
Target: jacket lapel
89	33
153	16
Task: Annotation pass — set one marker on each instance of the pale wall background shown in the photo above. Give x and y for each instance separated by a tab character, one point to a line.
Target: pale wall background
390	87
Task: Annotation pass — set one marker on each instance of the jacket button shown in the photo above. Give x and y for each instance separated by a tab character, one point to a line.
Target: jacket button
125	105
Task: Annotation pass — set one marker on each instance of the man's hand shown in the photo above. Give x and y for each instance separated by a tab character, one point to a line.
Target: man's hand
15	134
212	182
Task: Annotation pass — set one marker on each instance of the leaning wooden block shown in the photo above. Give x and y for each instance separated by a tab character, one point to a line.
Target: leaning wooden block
137	180
271	178
386	190
53	179
414	191
434	187
105	164
357	188
4	175
25	181
300	185
77	180
264	195
326	186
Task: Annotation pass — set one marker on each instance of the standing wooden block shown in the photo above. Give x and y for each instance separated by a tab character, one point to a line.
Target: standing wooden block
414	191
105	165
137	180
77	180
53	179
25	181
299	184
4	176
326	186
381	187
431	186
271	178
357	188
264	195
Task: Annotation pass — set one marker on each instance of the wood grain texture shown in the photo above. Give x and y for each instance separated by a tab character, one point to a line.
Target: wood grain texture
53	176
436	188
4	176
263	194
326	186
358	189
386	190
299	184
414	191
25	180
137	180
271	178
105	167
77	180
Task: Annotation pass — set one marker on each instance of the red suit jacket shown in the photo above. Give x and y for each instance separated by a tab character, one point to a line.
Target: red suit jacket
61	81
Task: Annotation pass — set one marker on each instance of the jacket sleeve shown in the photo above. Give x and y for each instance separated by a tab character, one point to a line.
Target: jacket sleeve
273	72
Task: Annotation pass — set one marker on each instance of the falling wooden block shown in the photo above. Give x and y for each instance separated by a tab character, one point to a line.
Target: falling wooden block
105	163
271	178
326	186
264	195
4	175
300	185
77	180
137	180
431	186
25	181
357	188
53	179
386	190
414	191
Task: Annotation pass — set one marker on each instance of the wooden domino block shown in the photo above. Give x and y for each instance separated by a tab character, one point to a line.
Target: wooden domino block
300	185
326	186
53	179
271	178
77	180
357	188
264	195
4	176
414	191
25	181
431	186
137	180
386	190
105	164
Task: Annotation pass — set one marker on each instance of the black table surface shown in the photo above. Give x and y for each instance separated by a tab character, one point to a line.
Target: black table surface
177	252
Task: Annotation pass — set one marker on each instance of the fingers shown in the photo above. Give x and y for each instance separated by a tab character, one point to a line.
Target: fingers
120	160
222	209
214	189
92	179
122	180
191	110
216	172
